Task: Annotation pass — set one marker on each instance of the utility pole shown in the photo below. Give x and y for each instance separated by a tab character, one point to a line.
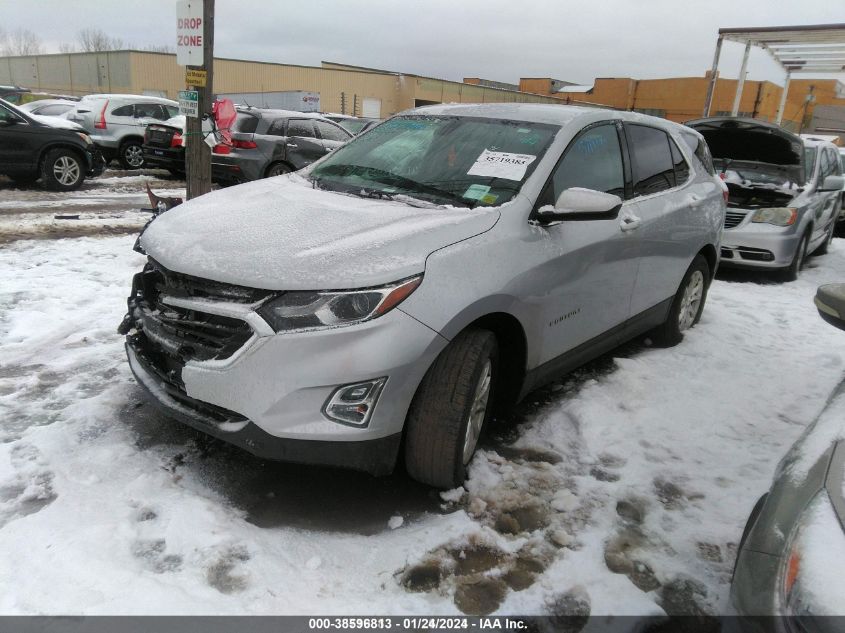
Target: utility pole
197	151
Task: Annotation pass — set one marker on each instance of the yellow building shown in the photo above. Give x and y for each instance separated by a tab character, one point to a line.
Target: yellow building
682	98
342	88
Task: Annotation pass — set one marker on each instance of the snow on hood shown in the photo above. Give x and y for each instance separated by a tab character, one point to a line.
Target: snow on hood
282	234
57	122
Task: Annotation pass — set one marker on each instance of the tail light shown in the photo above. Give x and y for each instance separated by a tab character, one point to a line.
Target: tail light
101	121
176	140
222	149
244	144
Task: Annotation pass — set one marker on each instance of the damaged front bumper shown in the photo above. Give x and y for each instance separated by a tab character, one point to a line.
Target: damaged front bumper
202	352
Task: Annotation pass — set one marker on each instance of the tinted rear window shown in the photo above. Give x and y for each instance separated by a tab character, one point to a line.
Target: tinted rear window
246	123
127	110
653	167
681	167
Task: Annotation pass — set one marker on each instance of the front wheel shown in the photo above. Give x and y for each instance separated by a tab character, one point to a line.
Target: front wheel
687	305
450	409
791	273
62	170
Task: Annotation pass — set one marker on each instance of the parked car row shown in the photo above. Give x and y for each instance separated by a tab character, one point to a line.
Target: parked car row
264	143
60	153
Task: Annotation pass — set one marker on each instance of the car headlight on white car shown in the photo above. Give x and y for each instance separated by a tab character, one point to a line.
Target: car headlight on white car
311	310
811	575
779	216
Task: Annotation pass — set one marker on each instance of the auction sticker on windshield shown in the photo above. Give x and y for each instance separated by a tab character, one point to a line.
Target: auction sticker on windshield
501	165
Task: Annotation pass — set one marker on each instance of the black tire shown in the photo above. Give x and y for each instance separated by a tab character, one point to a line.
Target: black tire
791	273
671	331
277	169
62	170
25	179
436	427
822	250
131	154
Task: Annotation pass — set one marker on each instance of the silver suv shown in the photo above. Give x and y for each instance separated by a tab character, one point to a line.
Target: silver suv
117	123
397	292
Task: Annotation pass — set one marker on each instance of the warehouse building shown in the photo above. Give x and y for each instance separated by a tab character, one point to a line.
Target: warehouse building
682	98
338	87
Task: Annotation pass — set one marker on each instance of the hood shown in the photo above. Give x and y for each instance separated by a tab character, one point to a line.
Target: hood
282	234
56	122
751	146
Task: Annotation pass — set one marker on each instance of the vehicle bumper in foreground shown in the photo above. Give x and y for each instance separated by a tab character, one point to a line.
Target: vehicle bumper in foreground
764	247
268	395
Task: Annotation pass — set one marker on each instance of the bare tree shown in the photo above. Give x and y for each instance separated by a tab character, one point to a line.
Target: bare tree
20	42
67	47
95	40
160	48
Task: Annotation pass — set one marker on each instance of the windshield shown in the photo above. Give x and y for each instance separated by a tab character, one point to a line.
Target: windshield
809	162
461	161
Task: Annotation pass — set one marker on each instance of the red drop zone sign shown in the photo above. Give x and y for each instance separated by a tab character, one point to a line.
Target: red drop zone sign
189	33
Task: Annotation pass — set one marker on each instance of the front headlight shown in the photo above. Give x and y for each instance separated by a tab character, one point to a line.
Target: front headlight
779	216
85	138
323	309
811	573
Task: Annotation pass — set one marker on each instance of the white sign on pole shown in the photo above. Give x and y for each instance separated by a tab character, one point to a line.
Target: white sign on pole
189	103
189	44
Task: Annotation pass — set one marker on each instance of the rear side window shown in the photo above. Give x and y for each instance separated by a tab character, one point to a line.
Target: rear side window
654	170
331	132
301	127
592	161
680	163
150	111
127	110
55	109
246	123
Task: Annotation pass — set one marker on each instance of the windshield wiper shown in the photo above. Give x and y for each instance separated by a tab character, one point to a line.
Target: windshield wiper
390	178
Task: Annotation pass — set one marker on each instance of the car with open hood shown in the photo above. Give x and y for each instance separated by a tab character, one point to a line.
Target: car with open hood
56	151
396	293
784	193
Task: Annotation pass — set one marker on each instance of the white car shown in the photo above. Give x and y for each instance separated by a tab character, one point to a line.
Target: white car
50	107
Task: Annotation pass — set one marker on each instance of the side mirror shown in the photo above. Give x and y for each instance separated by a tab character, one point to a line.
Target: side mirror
833	183
577	203
830	302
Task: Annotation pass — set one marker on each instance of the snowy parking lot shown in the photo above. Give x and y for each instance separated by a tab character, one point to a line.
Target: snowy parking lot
621	489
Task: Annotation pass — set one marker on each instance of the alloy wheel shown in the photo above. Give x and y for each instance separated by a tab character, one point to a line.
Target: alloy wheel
66	170
691	301
134	156
478	411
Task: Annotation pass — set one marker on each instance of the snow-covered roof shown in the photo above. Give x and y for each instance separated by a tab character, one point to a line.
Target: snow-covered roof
575	88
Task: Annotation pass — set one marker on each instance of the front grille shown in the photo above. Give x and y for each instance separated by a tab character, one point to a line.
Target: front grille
168	371
727	253
734	218
166	337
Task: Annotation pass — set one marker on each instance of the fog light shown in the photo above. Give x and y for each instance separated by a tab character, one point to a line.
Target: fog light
353	404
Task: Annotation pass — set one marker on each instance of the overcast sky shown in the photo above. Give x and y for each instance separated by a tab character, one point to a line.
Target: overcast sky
494	39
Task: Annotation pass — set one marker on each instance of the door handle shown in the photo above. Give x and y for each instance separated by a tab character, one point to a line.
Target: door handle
629	223
291	144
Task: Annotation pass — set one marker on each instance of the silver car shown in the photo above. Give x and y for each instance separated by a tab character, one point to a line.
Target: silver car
784	193
117	123
436	269
789	561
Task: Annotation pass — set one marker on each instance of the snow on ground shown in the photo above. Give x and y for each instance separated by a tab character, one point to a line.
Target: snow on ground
622	489
109	204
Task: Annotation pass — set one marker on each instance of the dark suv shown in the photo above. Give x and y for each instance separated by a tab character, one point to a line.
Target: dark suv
272	142
264	143
57	151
